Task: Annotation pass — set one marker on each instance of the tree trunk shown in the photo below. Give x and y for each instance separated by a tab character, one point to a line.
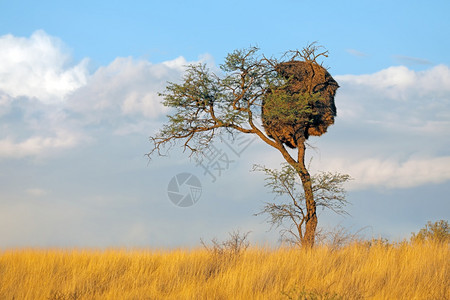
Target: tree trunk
311	216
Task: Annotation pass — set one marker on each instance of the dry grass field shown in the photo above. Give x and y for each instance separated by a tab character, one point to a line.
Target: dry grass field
356	271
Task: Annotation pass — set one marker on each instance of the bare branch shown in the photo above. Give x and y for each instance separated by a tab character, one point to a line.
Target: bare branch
309	53
328	192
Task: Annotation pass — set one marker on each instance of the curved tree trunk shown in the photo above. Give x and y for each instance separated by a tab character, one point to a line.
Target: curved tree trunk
309	235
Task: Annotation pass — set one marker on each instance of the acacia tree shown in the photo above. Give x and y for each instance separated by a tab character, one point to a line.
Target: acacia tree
327	189
206	104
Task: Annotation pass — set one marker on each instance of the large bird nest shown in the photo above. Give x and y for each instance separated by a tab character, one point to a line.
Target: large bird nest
303	106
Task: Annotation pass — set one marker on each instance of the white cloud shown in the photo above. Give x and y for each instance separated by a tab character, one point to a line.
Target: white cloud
36	192
401	83
392	173
38	67
124	95
148	104
127	87
398	99
47	104
37	145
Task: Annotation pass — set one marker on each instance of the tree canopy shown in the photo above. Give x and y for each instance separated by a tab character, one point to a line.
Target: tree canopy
281	100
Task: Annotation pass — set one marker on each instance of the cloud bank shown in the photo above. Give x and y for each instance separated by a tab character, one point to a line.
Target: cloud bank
394	128
392	125
48	104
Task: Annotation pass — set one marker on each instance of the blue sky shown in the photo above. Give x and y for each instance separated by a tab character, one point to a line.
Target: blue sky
79	87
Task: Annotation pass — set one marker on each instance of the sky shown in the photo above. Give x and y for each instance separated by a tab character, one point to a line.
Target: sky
79	84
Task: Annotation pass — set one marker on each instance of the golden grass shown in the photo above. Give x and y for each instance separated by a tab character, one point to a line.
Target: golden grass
403	271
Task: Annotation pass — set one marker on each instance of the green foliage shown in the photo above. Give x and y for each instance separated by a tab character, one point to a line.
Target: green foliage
204	104
286	109
329	191
438	231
